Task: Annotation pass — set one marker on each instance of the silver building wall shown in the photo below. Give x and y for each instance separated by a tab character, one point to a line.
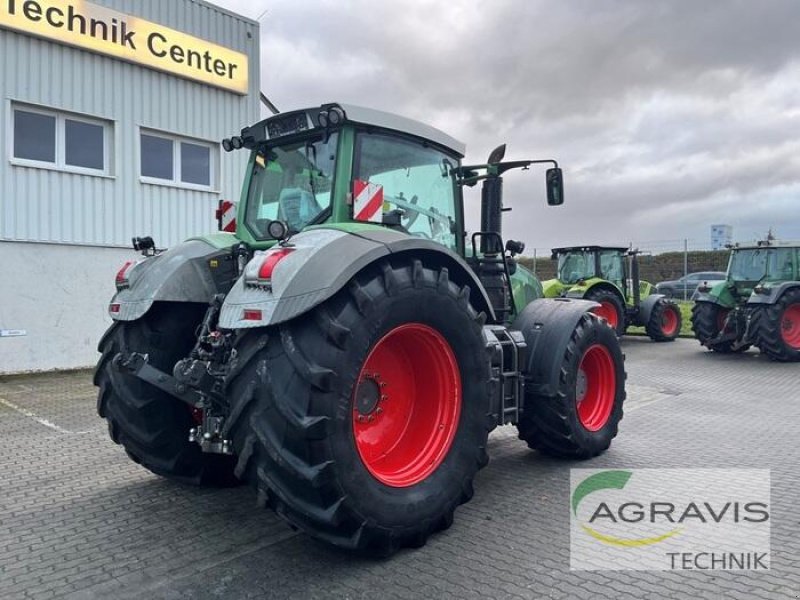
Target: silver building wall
44	211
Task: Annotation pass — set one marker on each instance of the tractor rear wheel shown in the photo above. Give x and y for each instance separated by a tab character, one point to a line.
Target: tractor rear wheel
665	321
777	327
708	320
151	425
364	422
611	309
583	416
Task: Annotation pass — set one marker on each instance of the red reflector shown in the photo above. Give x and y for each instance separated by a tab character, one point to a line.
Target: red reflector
122	274
114	308
271	260
251	314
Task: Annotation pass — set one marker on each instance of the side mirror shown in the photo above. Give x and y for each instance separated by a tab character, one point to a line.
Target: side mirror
555	187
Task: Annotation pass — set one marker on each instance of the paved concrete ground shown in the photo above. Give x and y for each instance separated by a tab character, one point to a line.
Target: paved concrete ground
78	519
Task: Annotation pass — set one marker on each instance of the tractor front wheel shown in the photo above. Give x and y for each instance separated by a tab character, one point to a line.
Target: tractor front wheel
582	417
611	309
364	422
665	321
777	327
151	425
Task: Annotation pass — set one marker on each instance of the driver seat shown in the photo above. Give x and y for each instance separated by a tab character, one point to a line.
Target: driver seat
296	207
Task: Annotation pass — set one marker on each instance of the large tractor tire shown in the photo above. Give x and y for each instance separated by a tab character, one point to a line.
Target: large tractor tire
611	309
665	321
364	422
777	327
152	426
583	416
708	319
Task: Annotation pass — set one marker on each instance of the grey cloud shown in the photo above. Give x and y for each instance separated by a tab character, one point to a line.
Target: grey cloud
666	115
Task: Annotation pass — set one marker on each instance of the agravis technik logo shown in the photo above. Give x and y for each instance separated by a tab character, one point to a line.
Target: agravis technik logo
670	519
611	480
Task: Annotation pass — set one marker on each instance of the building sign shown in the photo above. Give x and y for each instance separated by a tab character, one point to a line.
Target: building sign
99	29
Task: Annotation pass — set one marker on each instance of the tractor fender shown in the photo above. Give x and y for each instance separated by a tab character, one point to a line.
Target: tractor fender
322	262
181	274
547	326
718	294
773	293
646	308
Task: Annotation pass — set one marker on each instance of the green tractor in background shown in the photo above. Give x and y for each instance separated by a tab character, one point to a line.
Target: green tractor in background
602	274
348	349
758	303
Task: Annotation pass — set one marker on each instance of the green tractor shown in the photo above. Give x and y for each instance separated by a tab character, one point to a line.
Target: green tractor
758	303
348	349
602	274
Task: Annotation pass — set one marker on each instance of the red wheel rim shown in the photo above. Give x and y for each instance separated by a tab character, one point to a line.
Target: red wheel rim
596	387
669	321
607	311
790	326
406	405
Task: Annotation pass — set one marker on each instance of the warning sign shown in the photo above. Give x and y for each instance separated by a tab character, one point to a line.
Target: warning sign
367	201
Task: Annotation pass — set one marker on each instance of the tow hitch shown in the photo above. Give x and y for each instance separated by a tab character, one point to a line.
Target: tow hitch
197	380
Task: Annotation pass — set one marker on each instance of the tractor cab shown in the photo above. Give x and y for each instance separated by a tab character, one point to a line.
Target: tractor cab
339	164
750	266
581	263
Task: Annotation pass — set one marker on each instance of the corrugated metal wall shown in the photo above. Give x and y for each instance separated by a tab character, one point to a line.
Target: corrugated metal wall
51	206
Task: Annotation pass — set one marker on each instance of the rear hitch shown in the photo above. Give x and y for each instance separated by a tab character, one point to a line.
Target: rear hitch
197	380
137	364
735	329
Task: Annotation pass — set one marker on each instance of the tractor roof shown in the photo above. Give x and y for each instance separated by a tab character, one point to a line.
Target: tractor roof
289	123
767	244
588	249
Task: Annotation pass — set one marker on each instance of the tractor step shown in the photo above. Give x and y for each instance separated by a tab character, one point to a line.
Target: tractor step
508	350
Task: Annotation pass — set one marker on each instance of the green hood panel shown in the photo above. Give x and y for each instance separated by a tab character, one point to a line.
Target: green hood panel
525	287
553	288
218	240
722	292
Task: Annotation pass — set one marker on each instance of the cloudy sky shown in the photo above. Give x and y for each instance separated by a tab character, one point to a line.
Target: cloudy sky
666	116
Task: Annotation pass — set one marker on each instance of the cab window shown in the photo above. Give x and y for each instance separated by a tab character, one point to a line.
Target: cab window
291	182
611	267
414	182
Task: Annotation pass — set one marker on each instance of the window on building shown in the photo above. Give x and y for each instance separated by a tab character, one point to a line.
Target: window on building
179	161
52	139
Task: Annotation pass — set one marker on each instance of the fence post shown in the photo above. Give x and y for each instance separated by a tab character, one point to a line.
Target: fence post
685	266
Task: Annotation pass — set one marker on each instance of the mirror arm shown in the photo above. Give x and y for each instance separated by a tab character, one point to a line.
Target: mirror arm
467	175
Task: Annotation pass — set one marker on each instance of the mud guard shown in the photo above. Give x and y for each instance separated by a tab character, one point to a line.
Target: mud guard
646	308
773	293
322	262
185	273
547	327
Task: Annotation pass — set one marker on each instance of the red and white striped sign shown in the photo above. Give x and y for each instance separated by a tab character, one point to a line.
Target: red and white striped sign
367	201
226	216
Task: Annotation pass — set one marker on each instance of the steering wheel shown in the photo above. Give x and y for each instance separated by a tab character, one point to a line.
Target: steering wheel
410	213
